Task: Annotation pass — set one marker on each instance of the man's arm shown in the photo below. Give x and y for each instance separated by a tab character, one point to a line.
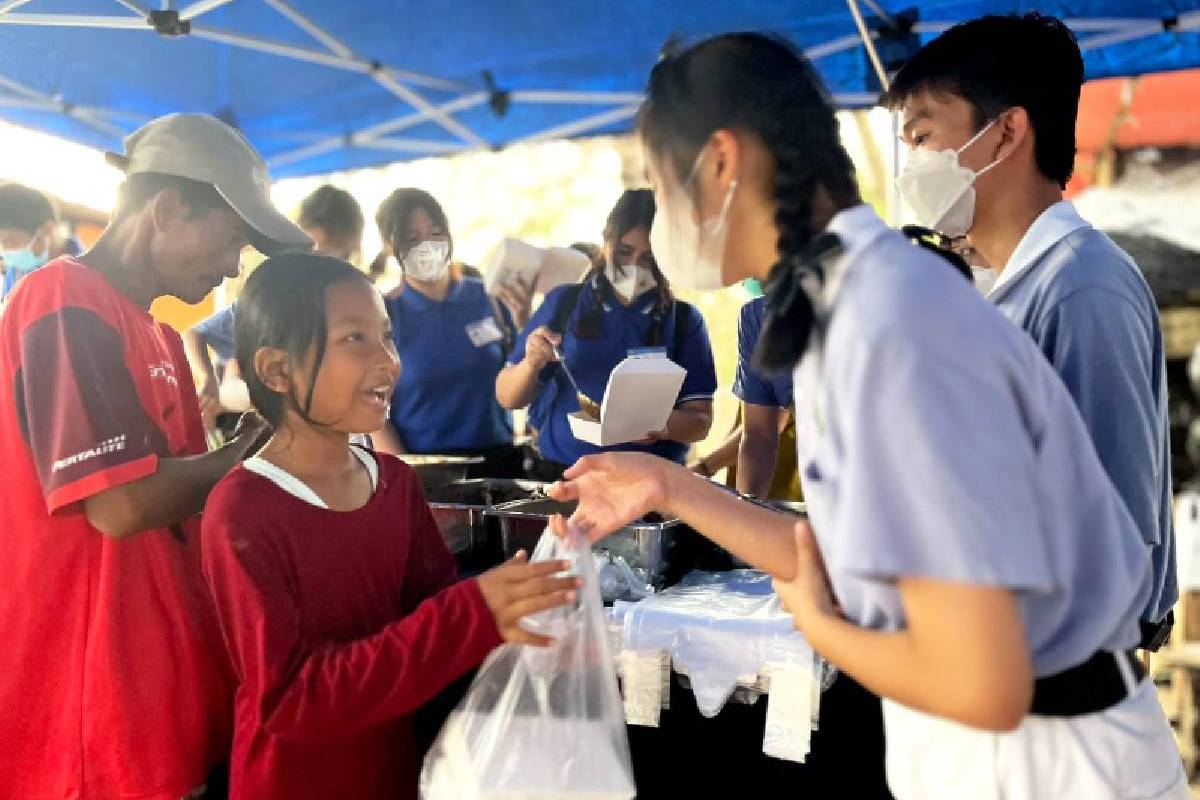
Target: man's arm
174	492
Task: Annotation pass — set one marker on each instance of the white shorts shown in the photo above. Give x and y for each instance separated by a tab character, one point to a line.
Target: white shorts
1124	753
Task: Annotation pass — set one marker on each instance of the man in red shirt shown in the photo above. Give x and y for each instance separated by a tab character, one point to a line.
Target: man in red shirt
111	678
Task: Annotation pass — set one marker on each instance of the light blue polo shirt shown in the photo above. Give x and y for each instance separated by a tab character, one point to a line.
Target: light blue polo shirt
591	361
218	330
450	355
936	441
749	385
1089	309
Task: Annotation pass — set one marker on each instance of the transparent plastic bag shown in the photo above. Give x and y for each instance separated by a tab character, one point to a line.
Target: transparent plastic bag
722	630
541	723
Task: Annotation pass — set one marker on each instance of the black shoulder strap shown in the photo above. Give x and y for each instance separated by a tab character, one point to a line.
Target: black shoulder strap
680	309
508	333
566	306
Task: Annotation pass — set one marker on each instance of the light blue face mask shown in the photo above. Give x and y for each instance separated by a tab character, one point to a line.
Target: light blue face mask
23	261
753	287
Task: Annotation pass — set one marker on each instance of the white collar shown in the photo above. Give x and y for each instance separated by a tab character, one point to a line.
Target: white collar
857	227
1051	227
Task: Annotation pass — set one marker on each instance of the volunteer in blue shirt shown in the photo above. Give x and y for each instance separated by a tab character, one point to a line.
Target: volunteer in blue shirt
993	138
966	557
624	305
27	221
452	339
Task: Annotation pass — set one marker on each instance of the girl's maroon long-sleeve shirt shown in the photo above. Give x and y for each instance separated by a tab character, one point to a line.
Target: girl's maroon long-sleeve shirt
339	625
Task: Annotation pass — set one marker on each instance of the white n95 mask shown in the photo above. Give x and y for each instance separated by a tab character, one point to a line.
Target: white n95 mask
690	254
629	281
940	190
428	261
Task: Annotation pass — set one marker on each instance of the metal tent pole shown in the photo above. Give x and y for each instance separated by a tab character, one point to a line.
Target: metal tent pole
379	74
202	7
366	135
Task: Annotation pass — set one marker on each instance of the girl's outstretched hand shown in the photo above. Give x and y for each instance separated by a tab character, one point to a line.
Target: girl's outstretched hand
613	490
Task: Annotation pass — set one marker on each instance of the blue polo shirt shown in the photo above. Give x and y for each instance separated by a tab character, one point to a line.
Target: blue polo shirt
1089	310
450	355
749	385
218	330
591	361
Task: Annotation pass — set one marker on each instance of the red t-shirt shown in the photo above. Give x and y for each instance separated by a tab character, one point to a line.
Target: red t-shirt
340	625
110	683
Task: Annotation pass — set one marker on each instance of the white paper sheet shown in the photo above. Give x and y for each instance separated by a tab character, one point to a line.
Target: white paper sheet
549	267
640	396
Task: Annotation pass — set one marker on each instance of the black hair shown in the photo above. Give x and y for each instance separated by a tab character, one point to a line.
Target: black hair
283	306
995	63
762	86
634	209
23	208
142	187
334	211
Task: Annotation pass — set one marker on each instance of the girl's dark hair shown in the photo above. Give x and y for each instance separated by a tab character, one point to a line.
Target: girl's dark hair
283	306
395	212
634	209
392	218
763	86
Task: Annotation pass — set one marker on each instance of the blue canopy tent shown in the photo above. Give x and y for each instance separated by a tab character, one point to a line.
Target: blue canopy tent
326	85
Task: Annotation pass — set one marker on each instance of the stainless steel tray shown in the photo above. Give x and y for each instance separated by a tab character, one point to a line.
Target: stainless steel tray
459	508
643	544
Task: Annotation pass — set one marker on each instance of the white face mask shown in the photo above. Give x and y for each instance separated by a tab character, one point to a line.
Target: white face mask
630	281
688	254
941	191
428	261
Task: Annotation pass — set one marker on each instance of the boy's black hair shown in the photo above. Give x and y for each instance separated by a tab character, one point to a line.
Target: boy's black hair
283	307
23	208
995	63
334	211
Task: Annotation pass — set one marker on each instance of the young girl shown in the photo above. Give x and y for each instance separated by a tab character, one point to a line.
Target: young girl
622	304
988	578
335	592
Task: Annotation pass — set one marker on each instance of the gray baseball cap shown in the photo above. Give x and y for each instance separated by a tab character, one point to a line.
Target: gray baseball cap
205	149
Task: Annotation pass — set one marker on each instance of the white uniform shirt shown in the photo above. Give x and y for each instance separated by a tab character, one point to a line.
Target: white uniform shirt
936	441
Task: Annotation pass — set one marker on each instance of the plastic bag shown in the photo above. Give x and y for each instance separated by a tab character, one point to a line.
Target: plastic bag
540	723
721	629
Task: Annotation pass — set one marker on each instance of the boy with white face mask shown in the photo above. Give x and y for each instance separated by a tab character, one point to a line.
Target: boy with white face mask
992	133
27	223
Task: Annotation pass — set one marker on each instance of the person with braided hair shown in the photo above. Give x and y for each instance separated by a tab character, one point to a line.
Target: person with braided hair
966	557
623	303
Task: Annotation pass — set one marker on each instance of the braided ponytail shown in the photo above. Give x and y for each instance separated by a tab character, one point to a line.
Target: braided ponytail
761	86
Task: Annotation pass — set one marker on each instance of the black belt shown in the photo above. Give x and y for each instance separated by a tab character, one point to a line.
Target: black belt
1095	685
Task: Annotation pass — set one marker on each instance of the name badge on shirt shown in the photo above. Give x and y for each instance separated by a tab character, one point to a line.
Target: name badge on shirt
484	332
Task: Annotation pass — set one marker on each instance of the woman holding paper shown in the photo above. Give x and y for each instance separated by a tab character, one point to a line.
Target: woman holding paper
968	559
452	339
621	306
